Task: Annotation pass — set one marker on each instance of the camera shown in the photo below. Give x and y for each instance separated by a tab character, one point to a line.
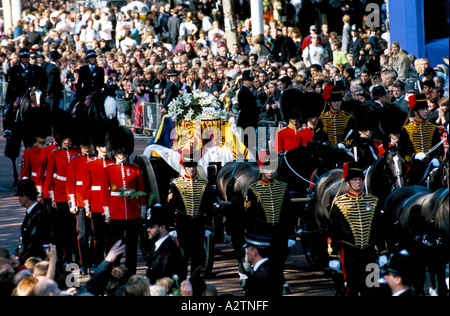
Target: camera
46	247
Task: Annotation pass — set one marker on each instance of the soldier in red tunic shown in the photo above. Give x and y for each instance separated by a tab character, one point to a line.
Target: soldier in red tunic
55	184
34	158
125	203
93	184
76	171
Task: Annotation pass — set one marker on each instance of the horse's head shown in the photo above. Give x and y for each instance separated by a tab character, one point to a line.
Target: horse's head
395	167
35	94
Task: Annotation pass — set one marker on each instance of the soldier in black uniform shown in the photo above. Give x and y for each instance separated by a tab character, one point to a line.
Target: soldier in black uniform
420	142
335	125
191	198
90	83
268	212
355	232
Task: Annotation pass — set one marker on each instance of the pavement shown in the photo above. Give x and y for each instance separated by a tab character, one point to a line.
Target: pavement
303	280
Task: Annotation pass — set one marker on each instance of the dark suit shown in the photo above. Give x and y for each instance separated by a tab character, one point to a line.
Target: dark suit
249	115
261	282
172	92
54	86
35	232
165	262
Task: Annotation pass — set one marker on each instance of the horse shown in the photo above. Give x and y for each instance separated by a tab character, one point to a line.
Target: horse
233	181
419	222
297	167
16	121
381	178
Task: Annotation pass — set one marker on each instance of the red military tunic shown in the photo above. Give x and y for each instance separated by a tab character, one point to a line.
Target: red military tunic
55	181
33	166
287	138
126	177
94	183
306	135
47	150
76	171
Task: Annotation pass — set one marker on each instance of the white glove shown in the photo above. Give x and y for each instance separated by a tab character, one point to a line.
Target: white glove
420	156
334	264
291	243
382	260
207	233
435	162
341	146
173	233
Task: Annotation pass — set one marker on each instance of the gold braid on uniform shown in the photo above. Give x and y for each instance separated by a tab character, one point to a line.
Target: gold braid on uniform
359	213
335	125
191	191
270	196
421	135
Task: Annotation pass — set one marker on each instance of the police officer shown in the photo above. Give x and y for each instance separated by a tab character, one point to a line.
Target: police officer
420	142
22	76
335	125
90	82
190	198
260	282
268	212
355	232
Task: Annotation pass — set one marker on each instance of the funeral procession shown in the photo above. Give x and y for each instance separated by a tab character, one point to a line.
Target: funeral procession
248	150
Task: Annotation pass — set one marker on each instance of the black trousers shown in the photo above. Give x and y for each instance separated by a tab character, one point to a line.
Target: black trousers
191	238
354	264
84	229
66	232
102	237
126	230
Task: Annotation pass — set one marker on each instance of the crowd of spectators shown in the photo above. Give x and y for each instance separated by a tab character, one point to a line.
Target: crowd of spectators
137	49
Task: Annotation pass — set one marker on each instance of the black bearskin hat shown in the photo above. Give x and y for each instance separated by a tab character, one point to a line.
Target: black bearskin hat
393	118
39	122
119	140
366	117
62	125
290	104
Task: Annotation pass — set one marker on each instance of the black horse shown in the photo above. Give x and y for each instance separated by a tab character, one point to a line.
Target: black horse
381	178
419	219
16	123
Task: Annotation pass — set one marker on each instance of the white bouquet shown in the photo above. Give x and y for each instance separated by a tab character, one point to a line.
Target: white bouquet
190	107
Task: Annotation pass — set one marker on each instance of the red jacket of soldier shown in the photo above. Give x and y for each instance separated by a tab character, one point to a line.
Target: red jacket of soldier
76	171
56	178
33	166
94	183
121	179
287	138
47	150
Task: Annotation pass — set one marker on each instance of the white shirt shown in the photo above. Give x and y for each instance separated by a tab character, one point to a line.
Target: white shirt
260	262
398	293
31	207
160	241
